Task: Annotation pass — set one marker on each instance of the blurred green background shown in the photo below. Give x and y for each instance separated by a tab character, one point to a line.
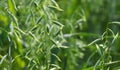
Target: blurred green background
59	34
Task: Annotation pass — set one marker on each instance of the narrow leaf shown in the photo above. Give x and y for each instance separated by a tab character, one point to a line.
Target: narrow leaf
3	58
99	50
56	5
114	62
13	17
115	23
115	37
58	23
57	57
96	40
11	6
32	35
20	30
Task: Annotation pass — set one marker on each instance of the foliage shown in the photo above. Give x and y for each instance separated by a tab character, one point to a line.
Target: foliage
59	35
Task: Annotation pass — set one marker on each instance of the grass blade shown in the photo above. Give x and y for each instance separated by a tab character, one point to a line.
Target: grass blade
12	7
96	40
56	57
99	50
3	58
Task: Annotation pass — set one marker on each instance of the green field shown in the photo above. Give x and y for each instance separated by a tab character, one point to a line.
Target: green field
59	34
